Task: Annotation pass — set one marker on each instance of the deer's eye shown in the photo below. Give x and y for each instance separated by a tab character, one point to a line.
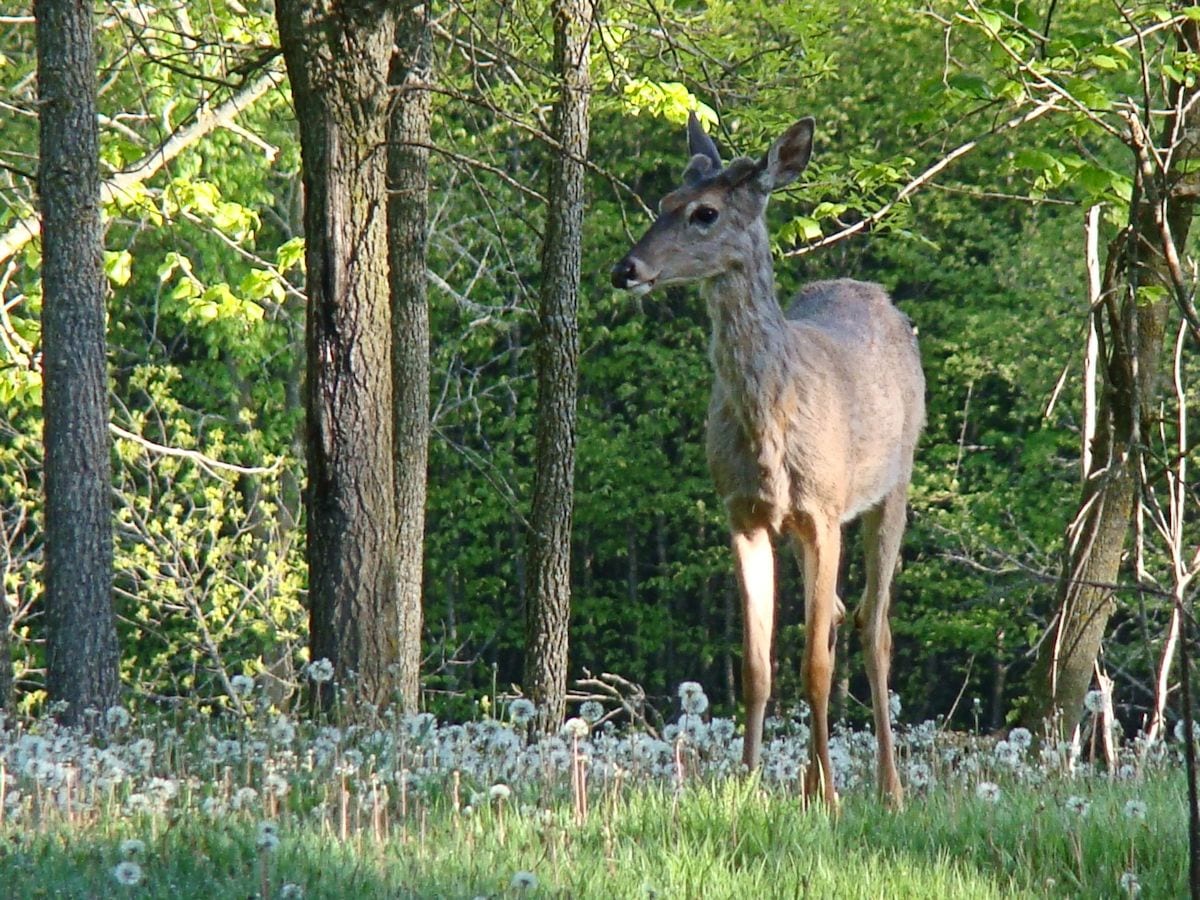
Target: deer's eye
703	215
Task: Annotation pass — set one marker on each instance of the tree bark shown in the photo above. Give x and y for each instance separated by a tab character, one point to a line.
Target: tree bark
549	564
81	636
337	59
1132	322
408	213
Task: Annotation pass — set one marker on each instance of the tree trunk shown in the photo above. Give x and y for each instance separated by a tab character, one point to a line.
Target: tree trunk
408	207
81	636
337	59
1132	324
549	563
6	665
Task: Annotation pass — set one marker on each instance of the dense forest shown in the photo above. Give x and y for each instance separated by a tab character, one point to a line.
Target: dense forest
961	152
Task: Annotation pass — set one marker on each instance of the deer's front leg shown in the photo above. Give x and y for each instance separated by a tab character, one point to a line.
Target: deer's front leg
755	562
822	548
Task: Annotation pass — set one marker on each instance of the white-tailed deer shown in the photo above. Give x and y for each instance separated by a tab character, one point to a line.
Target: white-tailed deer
813	421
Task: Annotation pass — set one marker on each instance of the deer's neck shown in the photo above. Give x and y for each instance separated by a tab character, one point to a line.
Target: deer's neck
748	325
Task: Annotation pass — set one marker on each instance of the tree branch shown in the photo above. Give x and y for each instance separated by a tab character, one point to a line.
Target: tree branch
30	227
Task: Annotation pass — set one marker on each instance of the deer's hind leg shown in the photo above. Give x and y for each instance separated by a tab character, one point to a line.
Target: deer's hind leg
754	558
821	542
883	527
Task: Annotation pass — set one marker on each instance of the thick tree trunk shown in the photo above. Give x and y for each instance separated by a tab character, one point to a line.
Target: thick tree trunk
81	636
549	569
408	208
337	59
1132	322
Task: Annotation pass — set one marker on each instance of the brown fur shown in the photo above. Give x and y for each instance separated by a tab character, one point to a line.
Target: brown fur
813	422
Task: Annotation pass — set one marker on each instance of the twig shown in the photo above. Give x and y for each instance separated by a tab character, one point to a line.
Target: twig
928	175
205	462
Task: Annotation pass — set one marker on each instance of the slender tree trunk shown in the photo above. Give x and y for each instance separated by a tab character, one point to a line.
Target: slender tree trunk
558	360
6	666
1132	323
337	58
81	636
408	213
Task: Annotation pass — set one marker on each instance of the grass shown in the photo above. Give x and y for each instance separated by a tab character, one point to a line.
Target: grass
414	809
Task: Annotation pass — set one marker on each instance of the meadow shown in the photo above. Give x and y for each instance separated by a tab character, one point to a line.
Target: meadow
195	804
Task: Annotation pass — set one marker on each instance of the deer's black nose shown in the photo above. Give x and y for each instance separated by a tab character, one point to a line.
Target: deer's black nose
623	272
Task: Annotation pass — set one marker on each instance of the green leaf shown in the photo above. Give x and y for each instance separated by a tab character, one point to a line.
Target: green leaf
118	266
290	253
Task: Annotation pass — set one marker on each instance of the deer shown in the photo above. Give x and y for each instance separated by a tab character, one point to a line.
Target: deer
813	423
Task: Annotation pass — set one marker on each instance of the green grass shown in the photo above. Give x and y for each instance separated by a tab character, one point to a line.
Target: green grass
409	807
731	838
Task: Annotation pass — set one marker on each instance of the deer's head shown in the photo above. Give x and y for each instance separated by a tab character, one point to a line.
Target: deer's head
710	223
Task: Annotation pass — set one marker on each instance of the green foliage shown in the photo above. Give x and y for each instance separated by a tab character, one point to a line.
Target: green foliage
205	268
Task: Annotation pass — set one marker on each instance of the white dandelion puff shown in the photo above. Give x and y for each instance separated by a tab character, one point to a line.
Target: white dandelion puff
500	792
1093	701
117	717
522	711
523	881
132	847
692	698
576	728
243	685
320	670
1078	806
1135	809
988	791
1130	884
290	891
592	711
282	731
1180	731
127	873
267	839
1021	738
276	784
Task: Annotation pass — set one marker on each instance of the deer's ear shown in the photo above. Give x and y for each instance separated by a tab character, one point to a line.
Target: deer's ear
698	168
700	144
788	155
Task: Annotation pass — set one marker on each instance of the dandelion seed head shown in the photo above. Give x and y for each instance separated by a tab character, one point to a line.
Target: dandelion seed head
523	881
267	837
276	784
522	711
692	698
592	711
243	798
132	847
1078	806
117	717
243	685
575	728
320	670
1093	701
1135	809
1130	884
1180	731
291	891
282	731
988	791
1021	738
500	792
127	873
